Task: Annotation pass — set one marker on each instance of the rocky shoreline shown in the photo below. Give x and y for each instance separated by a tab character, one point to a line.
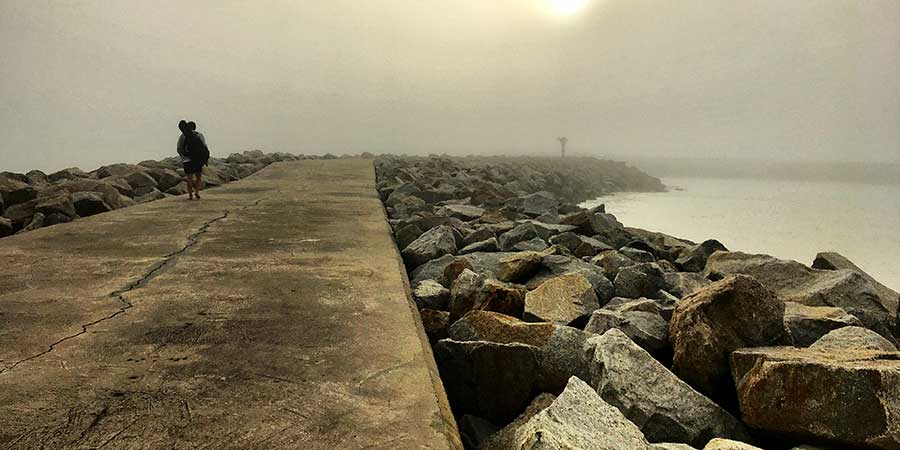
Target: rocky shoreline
558	327
35	199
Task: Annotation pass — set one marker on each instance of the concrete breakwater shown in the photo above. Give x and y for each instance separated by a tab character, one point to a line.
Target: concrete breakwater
35	199
555	326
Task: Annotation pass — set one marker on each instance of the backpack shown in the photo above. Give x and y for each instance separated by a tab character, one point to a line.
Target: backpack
195	149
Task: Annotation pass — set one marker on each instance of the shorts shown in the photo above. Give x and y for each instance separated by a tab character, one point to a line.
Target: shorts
192	167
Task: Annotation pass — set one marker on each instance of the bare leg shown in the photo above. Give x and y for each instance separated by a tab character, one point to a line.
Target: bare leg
189	178
198	184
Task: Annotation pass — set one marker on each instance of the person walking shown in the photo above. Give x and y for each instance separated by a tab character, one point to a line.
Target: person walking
194	155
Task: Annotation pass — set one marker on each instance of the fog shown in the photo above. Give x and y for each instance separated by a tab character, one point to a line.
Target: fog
85	83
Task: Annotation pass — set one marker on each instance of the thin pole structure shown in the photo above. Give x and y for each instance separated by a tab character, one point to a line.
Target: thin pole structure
562	143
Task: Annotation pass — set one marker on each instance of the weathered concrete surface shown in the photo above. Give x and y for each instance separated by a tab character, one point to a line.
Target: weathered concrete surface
271	314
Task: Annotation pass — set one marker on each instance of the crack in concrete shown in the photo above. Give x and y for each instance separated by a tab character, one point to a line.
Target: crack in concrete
119	294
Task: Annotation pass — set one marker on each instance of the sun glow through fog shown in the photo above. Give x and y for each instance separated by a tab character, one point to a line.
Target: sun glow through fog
565	8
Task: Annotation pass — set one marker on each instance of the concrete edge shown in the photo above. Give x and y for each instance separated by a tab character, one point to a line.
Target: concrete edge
451	430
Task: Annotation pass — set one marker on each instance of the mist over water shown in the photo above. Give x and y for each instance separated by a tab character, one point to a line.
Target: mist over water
786	219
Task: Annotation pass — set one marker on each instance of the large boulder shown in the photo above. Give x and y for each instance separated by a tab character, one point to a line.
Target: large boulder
578	245
664	407
522	233
436	323
115	169
846	397
110	193
682	284
565	300
693	259
645	326
20	214
836	261
519	266
807	324
152	194
432	270
559	349
473	291
20	195
431	295
534	204
479	235
432	244
59	204
506	437
794	282
487	245
89	203
486	379
165	178
463	212
728	444
580	419
611	262
553	266
853	338
640	280
6	227
706	326
71	173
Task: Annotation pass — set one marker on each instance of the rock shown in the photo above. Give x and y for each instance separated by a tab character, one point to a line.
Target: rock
505	438
432	270
648	329
728	444
521	233
165	178
474	430
123	188
178	189
110	194
794	282
37	221
61	204
463	212
564	300
152	195
436	324
406	235
534	204
682	284
707	325
577	245
665	408
611	262
580	419
432	244
548	217
71	173
836	261
637	255
546	231
559	349
488	245
852	338
139	179
7	185
20	214
847	397
429	294
479	235
640	280
452	271
486	379
20	196
37	178
807	324
693	259
472	291
56	218
531	245
670	446
115	169
555	265
6	227
89	203
590	223
519	266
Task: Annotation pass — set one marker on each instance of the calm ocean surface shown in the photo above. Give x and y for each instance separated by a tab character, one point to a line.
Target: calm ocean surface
786	219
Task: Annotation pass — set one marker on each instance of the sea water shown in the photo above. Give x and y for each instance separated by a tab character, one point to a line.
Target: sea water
786	219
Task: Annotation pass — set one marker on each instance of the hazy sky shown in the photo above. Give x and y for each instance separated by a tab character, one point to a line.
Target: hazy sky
92	82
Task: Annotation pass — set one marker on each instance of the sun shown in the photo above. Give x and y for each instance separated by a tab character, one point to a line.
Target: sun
566	8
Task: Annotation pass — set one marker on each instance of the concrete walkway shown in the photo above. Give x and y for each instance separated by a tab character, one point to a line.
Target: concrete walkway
274	313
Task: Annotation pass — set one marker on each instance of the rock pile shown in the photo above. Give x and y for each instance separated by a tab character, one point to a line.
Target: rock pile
555	326
34	200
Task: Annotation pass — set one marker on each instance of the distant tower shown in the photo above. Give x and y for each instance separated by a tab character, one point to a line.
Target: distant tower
562	143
